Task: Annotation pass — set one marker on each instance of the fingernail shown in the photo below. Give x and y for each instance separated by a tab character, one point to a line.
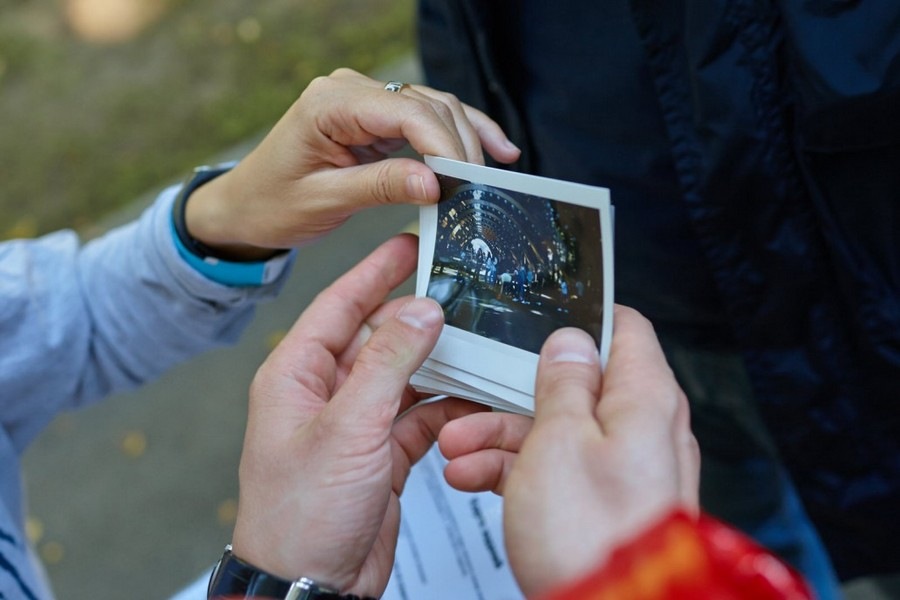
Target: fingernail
415	187
573	346
421	314
510	146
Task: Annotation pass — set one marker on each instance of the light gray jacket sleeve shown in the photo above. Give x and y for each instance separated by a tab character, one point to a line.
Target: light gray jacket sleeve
79	322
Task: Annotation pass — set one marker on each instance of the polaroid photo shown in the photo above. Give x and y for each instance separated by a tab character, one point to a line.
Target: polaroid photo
448	381
511	258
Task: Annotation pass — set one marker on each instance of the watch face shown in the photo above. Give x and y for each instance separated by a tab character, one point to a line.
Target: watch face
514	267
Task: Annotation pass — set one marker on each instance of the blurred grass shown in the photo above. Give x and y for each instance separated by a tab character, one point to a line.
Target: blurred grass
87	128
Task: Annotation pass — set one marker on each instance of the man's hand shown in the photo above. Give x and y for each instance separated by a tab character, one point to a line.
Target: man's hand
605	456
323	462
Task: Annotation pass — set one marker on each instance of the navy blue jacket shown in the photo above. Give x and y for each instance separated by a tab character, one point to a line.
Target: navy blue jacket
799	101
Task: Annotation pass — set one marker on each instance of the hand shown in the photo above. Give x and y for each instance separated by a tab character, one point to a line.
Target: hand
323	463
325	160
605	457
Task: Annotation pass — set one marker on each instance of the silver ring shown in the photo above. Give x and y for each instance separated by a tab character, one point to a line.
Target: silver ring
395	86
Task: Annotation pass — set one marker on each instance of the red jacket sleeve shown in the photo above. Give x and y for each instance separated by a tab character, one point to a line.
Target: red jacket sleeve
683	558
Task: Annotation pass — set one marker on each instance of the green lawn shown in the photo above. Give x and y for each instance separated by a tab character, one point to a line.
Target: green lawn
86	128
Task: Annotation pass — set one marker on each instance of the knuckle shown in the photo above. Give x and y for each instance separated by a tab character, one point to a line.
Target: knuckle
428	108
448	98
569	376
443	111
418	110
343	72
383	351
317	88
319	82
383	189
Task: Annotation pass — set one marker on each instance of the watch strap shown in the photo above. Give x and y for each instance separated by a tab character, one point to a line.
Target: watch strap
235	578
198	177
203	258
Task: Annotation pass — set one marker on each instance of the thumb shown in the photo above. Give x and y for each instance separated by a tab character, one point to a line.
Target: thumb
372	392
388	181
568	376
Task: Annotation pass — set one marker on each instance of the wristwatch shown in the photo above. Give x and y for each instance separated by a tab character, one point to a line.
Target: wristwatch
234	578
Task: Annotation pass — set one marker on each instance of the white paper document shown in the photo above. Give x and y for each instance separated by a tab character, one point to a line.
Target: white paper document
451	543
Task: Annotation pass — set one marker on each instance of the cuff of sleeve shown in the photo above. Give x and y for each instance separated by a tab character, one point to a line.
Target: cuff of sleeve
686	558
233	274
204	260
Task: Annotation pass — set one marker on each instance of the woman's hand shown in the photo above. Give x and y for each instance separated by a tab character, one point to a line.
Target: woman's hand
326	159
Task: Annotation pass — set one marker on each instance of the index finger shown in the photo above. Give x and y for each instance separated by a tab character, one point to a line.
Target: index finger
432	122
442	126
336	315
475	129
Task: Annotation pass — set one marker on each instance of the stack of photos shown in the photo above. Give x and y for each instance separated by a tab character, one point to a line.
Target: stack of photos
511	258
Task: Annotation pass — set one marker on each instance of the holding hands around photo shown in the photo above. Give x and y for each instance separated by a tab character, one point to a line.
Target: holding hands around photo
325	455
607	474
